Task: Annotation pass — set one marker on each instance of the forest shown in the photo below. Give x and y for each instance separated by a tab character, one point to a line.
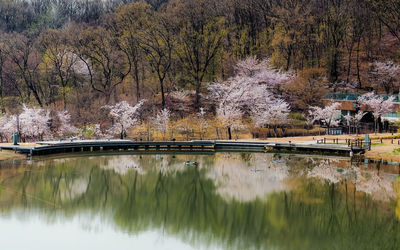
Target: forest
104	67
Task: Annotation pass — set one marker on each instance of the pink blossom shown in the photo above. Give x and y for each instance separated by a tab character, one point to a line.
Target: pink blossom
34	122
330	115
125	116
384	74
162	120
377	104
65	124
272	112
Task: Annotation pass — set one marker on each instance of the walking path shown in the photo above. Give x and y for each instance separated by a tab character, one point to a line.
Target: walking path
70	146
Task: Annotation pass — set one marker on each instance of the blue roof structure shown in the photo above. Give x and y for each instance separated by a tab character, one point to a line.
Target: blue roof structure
353	96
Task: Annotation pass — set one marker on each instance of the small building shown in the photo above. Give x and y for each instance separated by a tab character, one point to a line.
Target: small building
349	105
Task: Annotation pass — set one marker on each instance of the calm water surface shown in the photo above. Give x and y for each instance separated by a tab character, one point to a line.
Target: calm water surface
228	201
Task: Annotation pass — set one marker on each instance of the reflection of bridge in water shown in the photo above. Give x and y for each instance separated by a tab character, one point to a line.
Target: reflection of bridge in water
58	147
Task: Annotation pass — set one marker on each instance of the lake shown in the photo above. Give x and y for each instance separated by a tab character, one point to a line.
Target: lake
224	201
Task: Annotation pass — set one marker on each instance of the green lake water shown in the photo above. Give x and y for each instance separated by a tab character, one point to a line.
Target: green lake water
227	201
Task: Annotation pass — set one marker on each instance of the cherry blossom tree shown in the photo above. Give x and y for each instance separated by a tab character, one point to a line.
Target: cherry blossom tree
251	65
231	96
272	112
261	71
202	122
8	125
354	120
254	78
384	74
162	121
309	120
377	104
125	117
65	128
34	123
97	131
230	117
254	89
330	115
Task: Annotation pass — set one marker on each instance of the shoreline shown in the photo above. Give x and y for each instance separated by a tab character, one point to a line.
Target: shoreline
9	155
379	151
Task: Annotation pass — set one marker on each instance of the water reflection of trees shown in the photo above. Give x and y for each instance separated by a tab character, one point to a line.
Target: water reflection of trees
379	185
187	203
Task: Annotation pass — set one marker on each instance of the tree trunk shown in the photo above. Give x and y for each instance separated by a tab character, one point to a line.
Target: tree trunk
162	93
358	64
64	100
275	131
136	75
350	51
333	74
229	133
198	86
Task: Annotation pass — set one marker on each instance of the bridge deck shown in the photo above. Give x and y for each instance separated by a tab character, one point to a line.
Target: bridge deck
56	147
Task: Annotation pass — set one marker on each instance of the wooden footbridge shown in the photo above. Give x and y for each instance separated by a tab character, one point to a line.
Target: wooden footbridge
71	146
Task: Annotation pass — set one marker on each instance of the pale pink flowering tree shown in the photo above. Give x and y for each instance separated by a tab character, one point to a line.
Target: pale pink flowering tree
232	96
65	128
385	74
239	90
261	71
162	121
34	123
309	120
203	124
125	117
254	87
377	104
97	131
354	120
330	115
251	65
250	83
8	126
272	112
230	117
